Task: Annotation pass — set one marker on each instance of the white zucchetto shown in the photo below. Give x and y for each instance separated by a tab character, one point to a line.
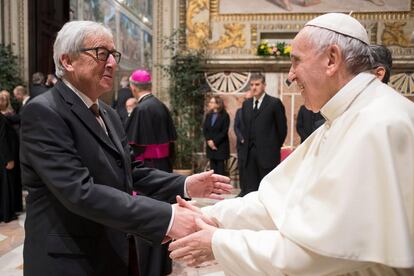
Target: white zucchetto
341	23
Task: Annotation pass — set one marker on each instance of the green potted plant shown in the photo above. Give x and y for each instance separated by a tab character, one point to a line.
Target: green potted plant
9	72
186	91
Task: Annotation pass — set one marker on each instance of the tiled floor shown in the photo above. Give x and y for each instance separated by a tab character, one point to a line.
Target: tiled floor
11	250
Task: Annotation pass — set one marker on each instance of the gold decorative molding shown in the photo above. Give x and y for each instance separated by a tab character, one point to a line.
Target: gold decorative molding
198	32
394	34
378	16
232	37
253	38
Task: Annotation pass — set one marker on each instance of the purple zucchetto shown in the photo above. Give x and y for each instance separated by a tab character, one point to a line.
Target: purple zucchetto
140	77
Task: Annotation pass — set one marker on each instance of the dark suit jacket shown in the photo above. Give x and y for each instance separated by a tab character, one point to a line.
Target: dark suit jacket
219	134
270	127
36	90
238	126
123	95
79	207
307	122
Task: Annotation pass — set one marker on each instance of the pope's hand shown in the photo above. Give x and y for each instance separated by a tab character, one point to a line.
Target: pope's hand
184	221
195	248
207	184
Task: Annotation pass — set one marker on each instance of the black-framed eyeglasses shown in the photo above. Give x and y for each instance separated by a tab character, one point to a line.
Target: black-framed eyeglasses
102	53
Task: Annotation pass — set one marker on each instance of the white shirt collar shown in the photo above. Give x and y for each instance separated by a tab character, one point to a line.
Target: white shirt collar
25	100
88	102
260	100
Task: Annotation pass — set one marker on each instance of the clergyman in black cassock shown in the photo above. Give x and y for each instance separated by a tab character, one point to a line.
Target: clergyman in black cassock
151	134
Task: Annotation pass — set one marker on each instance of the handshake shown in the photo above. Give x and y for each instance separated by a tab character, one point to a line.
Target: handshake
192	232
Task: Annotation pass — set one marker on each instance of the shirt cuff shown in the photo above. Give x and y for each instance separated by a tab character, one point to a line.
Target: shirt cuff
171	221
185	189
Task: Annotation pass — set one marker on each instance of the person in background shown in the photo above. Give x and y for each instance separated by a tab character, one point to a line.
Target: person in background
38	85
22	96
130	104
215	130
307	122
151	134
82	218
342	203
238	130
265	130
12	173
50	80
124	93
5	103
382	64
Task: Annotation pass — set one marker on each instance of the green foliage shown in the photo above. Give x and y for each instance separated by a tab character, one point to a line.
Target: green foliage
186	90
9	72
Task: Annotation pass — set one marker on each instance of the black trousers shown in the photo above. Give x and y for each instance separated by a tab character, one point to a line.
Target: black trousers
252	172
217	166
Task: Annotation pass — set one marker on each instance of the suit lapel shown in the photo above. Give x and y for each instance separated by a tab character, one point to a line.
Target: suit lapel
79	108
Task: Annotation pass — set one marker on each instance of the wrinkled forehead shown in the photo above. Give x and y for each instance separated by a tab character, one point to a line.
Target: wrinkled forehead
99	39
302	43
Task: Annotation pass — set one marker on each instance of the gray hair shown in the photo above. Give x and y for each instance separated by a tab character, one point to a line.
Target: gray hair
258	76
357	54
71	37
38	78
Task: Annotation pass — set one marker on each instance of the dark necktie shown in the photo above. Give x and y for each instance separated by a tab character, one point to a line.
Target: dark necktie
256	106
95	110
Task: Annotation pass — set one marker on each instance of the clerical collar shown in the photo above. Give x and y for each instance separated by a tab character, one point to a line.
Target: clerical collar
341	101
87	101
143	96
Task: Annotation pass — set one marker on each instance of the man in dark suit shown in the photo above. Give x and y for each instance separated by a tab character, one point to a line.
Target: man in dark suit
265	130
81	216
38	85
124	94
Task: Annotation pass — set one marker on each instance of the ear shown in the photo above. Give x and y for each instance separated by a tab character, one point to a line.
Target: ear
379	72
335	59
66	62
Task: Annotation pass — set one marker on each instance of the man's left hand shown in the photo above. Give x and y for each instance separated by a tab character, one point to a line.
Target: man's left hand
207	184
195	248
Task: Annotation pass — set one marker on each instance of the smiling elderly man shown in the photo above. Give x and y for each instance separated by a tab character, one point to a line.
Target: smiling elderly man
81	216
343	202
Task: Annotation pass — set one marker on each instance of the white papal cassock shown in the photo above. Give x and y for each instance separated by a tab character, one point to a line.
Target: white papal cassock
342	202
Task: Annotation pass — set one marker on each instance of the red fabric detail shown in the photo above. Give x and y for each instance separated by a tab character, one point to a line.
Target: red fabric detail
156	151
284	153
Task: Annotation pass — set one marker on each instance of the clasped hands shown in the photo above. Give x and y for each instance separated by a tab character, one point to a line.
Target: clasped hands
191	230
193	233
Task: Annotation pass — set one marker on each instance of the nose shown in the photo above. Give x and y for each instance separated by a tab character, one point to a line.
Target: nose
111	61
291	75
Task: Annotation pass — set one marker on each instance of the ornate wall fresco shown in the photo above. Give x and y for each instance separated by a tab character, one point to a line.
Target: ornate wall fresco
131	25
311	6
231	30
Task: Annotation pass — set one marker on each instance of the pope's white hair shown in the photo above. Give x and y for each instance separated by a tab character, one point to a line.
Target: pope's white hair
71	37
357	54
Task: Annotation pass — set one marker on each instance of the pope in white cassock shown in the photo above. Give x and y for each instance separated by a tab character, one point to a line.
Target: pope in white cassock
343	201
